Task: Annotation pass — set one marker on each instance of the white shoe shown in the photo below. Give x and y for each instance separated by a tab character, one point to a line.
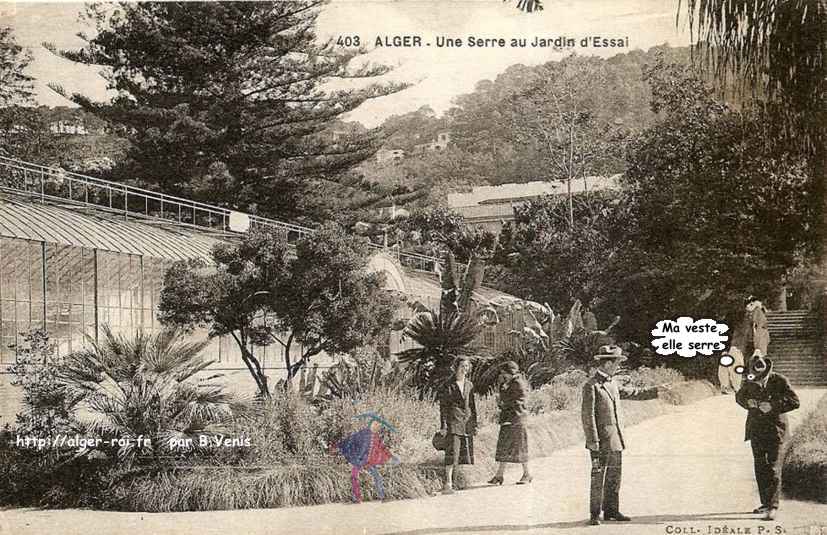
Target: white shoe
770	515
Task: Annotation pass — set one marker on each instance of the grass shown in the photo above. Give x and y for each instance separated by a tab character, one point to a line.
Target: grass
286	486
288	463
325	479
805	461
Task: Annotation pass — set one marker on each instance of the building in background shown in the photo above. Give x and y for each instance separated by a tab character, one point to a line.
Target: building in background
492	206
388	155
79	253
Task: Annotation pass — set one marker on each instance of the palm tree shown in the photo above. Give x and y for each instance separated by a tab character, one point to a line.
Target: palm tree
146	386
443	336
778	50
529	5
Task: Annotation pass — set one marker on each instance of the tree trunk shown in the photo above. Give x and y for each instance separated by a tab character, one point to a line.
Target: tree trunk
252	365
288	364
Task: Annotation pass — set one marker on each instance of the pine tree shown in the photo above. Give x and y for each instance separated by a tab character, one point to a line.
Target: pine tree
228	101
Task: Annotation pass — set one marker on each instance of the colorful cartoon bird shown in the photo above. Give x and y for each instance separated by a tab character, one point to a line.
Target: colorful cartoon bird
364	449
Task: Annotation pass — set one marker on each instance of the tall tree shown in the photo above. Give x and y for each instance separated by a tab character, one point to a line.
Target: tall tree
316	299
716	207
539	246
15	85
558	112
779	51
24	132
228	101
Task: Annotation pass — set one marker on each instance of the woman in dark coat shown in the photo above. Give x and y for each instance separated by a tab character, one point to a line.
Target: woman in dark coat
512	442
458	419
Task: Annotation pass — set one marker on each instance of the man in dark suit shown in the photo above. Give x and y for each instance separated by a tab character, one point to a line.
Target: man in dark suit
767	396
603	427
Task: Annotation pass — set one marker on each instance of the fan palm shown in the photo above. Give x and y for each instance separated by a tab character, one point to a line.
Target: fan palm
146	386
443	337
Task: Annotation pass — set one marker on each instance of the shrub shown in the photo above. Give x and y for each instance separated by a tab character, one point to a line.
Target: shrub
362	371
539	365
216	488
284	429
580	346
415	421
553	397
146	386
805	461
487	410
45	403
571	377
33	478
644	377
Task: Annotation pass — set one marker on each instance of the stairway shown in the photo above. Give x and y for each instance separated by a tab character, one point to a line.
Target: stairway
796	347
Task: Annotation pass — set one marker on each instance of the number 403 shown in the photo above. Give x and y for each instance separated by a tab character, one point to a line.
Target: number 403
348	40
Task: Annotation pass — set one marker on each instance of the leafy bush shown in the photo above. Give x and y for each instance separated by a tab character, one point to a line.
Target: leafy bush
580	346
45	405
553	397
571	377
35	478
805	461
538	364
645	377
415	421
487	410
361	371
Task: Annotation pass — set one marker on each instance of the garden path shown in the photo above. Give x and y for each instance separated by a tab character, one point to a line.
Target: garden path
687	472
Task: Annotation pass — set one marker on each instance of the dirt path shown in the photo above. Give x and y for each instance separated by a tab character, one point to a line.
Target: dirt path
686	473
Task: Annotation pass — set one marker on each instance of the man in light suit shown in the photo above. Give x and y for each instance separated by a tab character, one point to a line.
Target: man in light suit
603	427
750	337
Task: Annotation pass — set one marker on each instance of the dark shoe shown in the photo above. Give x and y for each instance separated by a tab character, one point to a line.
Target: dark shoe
760	510
496	480
594	521
617	517
525	480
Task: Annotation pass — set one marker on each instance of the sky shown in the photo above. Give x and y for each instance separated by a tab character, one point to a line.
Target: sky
437	74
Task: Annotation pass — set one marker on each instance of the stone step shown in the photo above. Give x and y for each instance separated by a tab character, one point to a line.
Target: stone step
794	333
802	369
786	353
799	370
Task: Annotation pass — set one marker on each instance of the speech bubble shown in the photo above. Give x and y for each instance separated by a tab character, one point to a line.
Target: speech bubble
688	338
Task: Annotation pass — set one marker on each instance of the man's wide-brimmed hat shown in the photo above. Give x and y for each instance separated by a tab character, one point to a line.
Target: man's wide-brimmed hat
610	352
370	416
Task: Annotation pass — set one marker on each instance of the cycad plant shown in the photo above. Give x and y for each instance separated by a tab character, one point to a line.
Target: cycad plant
443	337
361	373
146	387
